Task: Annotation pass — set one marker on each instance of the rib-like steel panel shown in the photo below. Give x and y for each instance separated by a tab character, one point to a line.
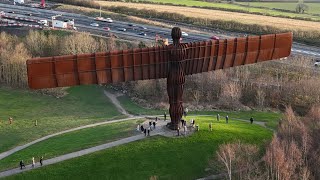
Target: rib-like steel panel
153	63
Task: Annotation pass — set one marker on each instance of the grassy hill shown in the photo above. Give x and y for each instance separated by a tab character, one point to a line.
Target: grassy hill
166	158
83	105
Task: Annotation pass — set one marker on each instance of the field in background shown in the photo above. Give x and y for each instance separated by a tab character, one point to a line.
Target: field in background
281	23
166	158
83	105
314	7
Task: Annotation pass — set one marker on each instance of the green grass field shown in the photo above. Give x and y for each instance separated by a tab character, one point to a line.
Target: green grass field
313	7
135	109
83	105
166	158
71	142
271	118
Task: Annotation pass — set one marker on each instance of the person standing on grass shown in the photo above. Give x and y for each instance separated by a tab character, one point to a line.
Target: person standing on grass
165	116
41	159
33	162
185	130
210	126
178	131
10	120
227	119
251	120
218	117
185	112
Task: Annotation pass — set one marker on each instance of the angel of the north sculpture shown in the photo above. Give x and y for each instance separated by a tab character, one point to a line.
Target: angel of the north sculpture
173	62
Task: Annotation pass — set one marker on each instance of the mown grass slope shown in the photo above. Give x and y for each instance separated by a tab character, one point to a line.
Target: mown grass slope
83	105
166	158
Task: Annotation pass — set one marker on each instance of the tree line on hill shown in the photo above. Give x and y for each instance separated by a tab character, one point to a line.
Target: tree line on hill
14	51
266	85
292	154
274	84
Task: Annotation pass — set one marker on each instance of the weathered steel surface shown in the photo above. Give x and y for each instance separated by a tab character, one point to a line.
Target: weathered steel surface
172	62
221	54
152	63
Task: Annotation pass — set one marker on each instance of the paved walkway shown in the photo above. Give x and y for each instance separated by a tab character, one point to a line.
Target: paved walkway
18	148
114	100
157	131
73	155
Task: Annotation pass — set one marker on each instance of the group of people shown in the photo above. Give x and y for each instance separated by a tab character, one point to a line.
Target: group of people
33	162
147	130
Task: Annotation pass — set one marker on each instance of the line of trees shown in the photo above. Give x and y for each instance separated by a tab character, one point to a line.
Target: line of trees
14	51
266	85
292	154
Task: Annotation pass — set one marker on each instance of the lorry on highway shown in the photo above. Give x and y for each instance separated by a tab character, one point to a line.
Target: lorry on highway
63	24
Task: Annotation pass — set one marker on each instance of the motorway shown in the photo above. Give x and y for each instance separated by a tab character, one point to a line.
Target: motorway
83	22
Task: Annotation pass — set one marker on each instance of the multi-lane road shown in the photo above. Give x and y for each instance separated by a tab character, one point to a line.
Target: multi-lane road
83	22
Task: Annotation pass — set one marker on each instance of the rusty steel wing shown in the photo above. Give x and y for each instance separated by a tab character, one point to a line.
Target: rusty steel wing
98	68
153	63
219	54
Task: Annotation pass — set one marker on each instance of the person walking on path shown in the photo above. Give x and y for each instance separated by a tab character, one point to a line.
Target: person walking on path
154	124
33	162
22	164
210	126
218	117
142	129
165	116
185	130
227	119
185	112
148	132
138	127
150	123
251	120
10	120
145	132
156	119
41	159
178	131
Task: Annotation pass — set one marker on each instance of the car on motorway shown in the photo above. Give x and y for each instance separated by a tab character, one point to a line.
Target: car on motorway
109	20
29	14
214	37
122	29
12	12
142	34
94	24
132	25
106	28
142	27
317	63
184	34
